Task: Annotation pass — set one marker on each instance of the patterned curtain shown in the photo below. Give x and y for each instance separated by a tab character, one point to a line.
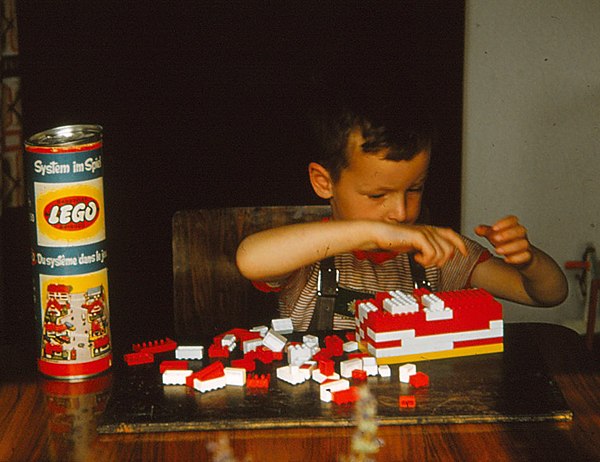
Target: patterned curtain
12	190
11	135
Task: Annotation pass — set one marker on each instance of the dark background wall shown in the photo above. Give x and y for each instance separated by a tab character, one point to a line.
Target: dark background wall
202	106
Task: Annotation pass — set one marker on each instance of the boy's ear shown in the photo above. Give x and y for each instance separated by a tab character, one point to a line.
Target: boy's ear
320	179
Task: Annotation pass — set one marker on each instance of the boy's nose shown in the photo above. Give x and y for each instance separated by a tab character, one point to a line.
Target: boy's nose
397	210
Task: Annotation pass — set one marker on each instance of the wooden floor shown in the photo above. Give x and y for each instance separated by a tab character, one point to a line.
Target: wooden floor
34	424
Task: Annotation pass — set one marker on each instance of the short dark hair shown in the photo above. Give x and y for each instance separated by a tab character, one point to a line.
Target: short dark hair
401	125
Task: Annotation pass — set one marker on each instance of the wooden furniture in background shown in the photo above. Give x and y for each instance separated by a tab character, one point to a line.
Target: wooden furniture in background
210	295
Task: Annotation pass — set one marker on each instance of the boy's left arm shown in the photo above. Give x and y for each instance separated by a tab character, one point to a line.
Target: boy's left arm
523	273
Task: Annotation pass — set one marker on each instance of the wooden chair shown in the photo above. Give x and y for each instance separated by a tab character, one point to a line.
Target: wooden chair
210	295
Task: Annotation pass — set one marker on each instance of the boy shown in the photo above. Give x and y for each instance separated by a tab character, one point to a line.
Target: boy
372	171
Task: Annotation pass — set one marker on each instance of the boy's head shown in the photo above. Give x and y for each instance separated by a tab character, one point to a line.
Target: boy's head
374	160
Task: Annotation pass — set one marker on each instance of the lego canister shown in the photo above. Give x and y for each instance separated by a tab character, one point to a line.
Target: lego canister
68	251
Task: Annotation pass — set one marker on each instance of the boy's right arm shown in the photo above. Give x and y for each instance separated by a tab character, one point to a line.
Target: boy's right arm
272	254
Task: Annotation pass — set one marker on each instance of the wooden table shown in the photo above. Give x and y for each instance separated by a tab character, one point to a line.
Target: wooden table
34	425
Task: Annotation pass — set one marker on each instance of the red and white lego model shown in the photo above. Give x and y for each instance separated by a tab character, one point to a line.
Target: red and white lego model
397	327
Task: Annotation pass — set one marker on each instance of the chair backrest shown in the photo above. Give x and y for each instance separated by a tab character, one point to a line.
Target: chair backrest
210	295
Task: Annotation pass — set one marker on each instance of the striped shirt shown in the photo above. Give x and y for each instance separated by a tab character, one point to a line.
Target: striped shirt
298	293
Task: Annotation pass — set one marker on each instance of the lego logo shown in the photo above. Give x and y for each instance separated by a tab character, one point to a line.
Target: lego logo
72	213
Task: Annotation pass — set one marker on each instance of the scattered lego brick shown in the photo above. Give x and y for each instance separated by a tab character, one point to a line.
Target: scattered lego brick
347	366
282	326
406	371
419	380
326	366
156	346
218	351
195	352
258	381
248	364
140	357
384	371
209	384
350	395
334	344
235	376
173	365
407	401
359	375
175	376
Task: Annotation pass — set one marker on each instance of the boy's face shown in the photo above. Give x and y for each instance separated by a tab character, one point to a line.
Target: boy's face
373	188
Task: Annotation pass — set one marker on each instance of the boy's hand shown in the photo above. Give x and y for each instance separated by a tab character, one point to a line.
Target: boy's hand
509	239
432	246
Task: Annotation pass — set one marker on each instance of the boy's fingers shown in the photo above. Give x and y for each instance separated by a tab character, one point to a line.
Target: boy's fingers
505	222
483	230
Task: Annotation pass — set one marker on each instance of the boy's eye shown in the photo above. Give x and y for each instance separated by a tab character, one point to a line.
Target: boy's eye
376	196
418	189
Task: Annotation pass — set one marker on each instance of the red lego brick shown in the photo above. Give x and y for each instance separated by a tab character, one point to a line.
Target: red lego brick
173	365
242	334
359	375
419	380
334	344
244	363
350	395
212	371
156	346
323	354
350	336
140	357
258	381
358	355
327	367
407	401
218	351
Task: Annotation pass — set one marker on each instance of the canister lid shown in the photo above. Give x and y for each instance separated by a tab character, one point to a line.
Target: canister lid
67	135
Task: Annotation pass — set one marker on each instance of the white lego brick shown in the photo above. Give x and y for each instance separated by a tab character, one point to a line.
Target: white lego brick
194	352
211	384
384	370
251	345
406	371
298	354
235	376
390	336
318	377
291	374
408	336
262	330
439	315
326	388
400	303
274	341
311	341
364	308
282	325
350	346
307	368
347	366
228	340
432	302
175	376
369	365
418	346
497	324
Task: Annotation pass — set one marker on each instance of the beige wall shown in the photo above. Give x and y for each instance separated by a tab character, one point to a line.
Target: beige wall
531	136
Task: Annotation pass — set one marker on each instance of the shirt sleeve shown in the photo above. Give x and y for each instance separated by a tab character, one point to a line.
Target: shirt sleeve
456	274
